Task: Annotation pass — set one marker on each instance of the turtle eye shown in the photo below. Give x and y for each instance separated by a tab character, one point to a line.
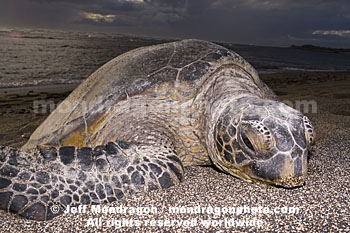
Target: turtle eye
247	144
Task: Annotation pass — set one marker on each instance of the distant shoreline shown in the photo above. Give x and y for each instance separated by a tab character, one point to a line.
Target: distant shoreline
321	49
70	57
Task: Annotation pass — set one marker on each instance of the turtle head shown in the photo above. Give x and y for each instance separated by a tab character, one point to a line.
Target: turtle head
263	140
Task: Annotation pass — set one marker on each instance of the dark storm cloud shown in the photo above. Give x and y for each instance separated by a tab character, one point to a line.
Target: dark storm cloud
277	22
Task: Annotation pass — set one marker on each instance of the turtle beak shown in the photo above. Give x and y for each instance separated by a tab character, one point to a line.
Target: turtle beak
281	170
294	172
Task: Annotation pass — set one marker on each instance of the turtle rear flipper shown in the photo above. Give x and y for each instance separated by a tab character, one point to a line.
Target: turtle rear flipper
40	184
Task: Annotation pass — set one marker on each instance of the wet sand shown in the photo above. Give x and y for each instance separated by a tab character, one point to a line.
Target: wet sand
323	202
17	110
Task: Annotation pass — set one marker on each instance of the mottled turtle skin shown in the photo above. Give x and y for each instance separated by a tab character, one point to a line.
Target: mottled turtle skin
136	122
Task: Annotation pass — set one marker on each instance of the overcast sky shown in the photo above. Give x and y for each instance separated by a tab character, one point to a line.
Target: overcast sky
260	22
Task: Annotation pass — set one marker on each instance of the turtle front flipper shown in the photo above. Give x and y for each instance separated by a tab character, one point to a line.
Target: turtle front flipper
35	184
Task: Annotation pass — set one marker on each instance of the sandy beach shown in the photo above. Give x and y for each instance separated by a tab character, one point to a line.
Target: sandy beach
321	205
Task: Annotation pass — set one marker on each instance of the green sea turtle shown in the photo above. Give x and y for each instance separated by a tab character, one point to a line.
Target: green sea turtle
136	122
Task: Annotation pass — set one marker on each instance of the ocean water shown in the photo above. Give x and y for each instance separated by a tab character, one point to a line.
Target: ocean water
43	57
